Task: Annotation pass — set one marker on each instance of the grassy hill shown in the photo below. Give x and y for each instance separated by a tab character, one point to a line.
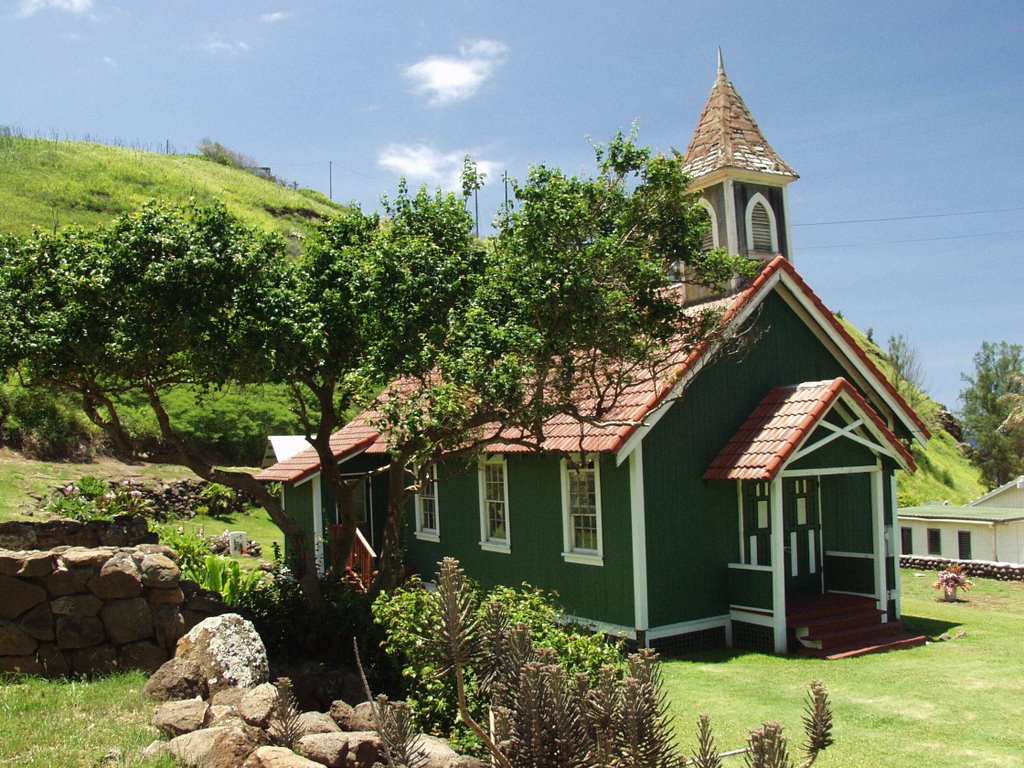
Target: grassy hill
942	471
48	184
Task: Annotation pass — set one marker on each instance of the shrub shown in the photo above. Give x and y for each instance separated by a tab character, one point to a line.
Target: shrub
191	549
43	424
407	611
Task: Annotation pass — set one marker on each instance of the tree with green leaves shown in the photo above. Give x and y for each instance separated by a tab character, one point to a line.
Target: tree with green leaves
566	305
988	400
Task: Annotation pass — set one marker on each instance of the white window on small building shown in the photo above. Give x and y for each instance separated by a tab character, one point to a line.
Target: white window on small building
494	522
711	236
762	230
427	519
581	512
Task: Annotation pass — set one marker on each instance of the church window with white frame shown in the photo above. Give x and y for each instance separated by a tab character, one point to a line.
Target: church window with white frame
581	511
494	520
427	512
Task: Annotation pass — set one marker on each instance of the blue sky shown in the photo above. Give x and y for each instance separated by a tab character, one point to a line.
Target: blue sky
886	110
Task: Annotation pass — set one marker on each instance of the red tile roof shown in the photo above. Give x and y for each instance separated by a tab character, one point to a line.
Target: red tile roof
781	422
633	406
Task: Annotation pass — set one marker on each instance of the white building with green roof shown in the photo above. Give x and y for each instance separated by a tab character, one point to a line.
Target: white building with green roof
993	534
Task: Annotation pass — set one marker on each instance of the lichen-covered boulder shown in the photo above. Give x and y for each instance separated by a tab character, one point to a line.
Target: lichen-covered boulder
228	650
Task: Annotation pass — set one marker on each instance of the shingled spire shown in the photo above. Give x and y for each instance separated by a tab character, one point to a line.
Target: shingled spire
727	136
742	180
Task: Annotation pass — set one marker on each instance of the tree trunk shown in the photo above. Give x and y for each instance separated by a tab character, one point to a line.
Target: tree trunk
390	563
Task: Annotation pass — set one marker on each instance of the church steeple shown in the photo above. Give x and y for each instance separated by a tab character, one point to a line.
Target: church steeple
742	178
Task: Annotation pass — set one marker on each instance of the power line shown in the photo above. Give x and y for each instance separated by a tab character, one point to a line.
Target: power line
909	218
916	240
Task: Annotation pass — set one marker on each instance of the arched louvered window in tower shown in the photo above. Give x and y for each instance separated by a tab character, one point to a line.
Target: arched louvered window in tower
762	235
761	228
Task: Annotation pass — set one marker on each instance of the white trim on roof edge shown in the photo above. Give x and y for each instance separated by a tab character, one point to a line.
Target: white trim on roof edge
833	342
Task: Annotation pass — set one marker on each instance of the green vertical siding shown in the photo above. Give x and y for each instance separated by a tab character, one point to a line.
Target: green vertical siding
692	530
601	593
846	513
298	504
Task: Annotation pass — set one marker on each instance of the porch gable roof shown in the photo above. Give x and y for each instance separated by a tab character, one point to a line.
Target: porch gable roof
780	424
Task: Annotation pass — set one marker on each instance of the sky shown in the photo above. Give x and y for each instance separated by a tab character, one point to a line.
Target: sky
905	120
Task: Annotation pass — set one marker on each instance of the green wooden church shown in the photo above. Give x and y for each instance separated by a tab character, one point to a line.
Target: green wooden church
752	501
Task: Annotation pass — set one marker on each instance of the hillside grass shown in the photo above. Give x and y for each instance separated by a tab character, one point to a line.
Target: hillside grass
945	705
943	473
49	184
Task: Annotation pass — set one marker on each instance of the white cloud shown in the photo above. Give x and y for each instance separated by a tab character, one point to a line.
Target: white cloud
109	62
424	164
219	47
447	79
270	18
29	7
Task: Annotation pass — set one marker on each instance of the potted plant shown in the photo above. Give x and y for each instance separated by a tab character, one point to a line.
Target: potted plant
950	580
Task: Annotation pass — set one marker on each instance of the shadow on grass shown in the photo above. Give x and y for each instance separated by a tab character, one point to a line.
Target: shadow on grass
927	626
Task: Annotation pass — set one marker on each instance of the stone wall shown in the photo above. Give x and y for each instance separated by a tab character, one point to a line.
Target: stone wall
81	611
978	568
123	531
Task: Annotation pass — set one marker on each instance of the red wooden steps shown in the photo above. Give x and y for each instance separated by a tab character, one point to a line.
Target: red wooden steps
837	626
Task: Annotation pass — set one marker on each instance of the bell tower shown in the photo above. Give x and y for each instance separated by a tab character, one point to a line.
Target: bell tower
742	180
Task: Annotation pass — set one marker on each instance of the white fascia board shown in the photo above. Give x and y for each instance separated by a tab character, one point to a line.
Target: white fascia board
655	416
317	473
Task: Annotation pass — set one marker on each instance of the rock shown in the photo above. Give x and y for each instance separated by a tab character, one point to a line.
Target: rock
278	757
38	622
355	749
78	632
16	642
435	752
230	697
76	605
26	665
113	534
222	712
228	650
78	557
144	655
341	712
35	565
159	571
168	625
177	679
197	748
15	536
316	722
9	562
18	596
127	620
257	705
177	717
55	663
97	660
119	577
68	581
173	596
155	750
465	761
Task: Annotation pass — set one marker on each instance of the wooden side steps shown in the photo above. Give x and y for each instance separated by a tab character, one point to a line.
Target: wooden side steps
834	626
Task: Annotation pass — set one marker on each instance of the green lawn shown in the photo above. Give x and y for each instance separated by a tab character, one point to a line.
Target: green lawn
944	705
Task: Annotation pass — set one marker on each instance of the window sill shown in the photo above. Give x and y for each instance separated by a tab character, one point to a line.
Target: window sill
493	546
583	559
427	536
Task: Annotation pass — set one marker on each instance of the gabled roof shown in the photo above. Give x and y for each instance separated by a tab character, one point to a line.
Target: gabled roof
968	514
781	423
1016	483
649	396
727	136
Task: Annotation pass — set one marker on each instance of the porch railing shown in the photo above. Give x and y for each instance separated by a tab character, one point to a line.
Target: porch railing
750	586
850	572
361	561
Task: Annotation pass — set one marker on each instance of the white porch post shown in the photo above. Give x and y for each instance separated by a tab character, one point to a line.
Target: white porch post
318	525
896	544
638	525
878	532
778	568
